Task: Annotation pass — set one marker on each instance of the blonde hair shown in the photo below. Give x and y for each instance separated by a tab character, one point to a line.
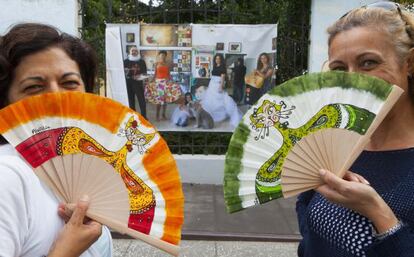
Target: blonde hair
400	28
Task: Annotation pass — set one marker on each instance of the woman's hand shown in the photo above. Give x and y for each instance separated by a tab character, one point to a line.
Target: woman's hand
77	235
355	193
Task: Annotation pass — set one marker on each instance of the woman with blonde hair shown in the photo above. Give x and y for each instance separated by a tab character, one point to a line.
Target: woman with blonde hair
370	212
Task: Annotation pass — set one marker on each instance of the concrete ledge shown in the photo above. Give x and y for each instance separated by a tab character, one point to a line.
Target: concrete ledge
201	169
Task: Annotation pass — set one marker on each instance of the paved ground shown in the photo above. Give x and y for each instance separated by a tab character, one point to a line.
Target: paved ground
205	214
267	230
132	248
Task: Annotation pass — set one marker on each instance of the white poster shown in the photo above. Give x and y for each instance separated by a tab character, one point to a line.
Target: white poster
190	77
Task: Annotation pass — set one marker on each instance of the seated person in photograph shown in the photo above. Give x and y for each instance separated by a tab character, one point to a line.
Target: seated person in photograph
37	59
238	81
182	113
135	67
216	101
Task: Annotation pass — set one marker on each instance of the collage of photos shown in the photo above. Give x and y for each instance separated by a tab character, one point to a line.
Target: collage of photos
179	84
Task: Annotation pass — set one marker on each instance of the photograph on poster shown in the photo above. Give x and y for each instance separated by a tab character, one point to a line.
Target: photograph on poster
165	35
220	46
184	63
184	35
130	37
158	35
235	47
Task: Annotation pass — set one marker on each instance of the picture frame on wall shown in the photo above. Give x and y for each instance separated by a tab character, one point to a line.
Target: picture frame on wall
219	46
128	47
130	37
235	47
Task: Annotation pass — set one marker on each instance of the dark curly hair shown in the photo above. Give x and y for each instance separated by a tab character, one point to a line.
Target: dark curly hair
29	38
221	59
162	52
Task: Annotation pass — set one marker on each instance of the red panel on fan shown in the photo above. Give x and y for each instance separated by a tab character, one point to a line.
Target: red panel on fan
143	221
40	147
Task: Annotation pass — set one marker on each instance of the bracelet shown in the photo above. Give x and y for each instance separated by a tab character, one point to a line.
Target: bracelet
389	232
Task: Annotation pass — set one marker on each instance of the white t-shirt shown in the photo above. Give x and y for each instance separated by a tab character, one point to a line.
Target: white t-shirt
29	222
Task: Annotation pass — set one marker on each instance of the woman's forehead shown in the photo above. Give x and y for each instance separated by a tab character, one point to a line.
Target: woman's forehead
51	61
360	39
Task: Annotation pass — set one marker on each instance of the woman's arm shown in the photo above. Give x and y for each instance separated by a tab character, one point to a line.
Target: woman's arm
169	72
155	72
265	75
223	79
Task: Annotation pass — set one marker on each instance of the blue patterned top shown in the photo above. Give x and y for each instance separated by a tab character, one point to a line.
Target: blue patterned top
334	231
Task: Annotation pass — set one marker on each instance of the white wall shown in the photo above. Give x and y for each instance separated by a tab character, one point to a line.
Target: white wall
255	39
323	14
201	169
62	14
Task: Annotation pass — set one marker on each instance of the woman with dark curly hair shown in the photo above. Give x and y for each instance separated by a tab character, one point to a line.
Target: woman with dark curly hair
37	59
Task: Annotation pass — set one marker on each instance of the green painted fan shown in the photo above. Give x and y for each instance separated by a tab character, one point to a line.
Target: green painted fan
320	120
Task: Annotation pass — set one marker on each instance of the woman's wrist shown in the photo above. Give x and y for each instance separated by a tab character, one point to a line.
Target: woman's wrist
383	218
391	231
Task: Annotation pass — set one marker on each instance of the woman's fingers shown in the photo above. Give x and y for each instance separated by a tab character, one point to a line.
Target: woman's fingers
80	211
331	180
330	194
351	176
64	212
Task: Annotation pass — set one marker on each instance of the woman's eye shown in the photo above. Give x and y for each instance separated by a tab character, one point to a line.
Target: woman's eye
71	83
338	68
32	89
369	64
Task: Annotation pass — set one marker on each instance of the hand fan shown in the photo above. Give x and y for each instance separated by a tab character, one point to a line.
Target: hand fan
51	130
315	121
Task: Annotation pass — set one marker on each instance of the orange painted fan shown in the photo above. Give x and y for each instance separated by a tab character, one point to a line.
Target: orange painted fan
80	143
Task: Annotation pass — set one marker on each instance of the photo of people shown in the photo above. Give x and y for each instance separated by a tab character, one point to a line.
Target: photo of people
162	90
239	72
135	74
216	101
197	76
259	81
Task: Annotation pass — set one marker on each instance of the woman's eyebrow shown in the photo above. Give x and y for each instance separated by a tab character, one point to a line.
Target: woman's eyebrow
67	74
38	78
